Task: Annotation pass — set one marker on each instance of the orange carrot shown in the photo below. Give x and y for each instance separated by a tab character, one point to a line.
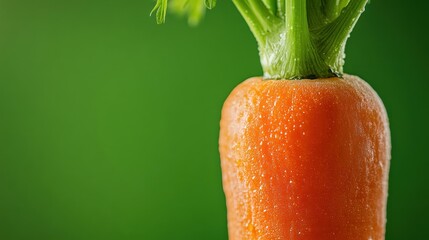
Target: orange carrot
305	160
305	150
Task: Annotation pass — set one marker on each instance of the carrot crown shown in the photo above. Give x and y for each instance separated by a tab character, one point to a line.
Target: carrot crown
297	38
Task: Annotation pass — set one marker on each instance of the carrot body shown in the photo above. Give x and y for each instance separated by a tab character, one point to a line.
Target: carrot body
305	159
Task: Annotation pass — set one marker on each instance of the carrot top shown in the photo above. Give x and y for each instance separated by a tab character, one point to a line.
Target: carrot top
297	38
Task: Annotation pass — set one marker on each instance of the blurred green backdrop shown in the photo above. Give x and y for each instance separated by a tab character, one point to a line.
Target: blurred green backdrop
109	122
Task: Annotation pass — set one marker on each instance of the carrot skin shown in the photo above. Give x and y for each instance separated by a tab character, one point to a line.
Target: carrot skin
305	159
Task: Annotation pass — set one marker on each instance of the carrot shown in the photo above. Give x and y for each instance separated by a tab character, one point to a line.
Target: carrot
305	150
305	160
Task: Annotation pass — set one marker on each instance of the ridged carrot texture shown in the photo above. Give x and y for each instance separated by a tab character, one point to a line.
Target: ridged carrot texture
305	159
305	150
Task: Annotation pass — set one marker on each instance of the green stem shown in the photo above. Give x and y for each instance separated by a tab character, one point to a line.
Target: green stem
281	8
262	13
316	16
258	17
293	45
332	39
290	52
252	21
297	38
332	8
271	5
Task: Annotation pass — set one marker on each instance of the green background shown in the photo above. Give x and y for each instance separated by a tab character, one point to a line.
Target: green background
109	123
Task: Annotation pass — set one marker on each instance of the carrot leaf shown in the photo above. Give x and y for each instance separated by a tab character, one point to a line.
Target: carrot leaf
210	4
297	38
161	10
193	9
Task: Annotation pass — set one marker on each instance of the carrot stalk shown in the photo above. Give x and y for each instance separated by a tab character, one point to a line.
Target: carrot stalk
297	39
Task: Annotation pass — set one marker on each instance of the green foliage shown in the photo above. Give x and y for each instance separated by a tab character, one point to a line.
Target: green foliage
194	9
297	38
210	4
161	10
